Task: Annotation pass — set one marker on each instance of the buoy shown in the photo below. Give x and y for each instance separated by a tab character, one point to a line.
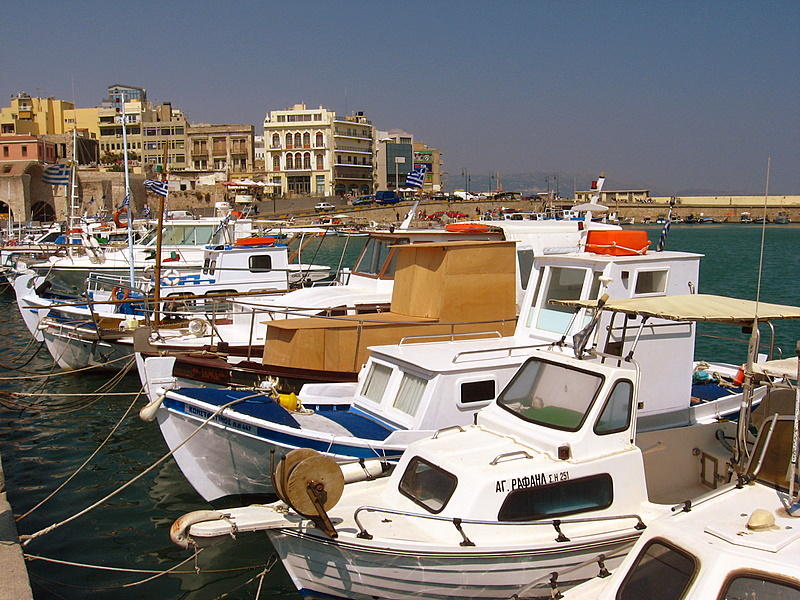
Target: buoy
171	278
290	401
738	379
120	293
179	531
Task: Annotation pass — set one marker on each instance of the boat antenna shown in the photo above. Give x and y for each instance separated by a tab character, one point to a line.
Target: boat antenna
741	451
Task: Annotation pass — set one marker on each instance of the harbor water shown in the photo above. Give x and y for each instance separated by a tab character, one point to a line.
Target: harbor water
44	439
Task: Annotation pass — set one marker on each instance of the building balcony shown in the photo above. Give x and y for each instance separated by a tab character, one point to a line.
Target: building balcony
353	136
360	150
369	166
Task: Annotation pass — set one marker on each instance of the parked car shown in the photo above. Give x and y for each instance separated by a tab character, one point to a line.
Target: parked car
321	206
363	200
387	197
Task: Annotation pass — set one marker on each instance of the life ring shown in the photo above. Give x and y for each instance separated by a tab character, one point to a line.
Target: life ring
255	241
171	278
117	214
235	214
120	293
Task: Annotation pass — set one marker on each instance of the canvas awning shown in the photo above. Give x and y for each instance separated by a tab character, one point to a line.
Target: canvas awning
695	307
785	368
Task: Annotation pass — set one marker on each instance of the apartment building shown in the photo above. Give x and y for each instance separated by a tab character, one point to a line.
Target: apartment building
227	148
317	152
431	159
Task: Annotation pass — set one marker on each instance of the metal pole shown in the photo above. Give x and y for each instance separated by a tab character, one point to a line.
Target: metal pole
131	268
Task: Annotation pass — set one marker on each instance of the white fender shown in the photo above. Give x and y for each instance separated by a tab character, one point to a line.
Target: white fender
179	531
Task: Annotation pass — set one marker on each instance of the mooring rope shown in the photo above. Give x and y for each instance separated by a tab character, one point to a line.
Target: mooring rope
271	562
40	375
28	538
69	563
86	462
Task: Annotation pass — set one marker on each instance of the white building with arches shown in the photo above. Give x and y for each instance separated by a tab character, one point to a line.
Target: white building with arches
315	152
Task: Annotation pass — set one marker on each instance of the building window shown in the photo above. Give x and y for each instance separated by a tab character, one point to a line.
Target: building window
288	140
297	140
318	142
306	140
24	151
276	140
320	184
276	163
319	162
289	161
307	160
298	161
5	151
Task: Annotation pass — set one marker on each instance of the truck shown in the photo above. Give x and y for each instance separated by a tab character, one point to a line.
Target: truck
387	197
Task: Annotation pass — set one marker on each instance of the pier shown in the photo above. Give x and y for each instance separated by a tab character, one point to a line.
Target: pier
14	585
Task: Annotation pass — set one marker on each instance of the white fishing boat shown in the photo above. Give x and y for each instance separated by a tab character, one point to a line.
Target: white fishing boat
739	542
98	331
551	474
406	391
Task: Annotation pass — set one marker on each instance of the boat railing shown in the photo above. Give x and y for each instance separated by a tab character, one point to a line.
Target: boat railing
551	579
452	336
508	349
515	453
459	522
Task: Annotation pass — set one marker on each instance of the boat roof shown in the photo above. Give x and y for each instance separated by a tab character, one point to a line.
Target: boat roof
696	307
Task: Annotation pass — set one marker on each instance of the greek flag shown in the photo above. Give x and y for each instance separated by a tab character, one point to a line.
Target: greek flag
662	239
126	202
156	186
146	212
417	177
56	174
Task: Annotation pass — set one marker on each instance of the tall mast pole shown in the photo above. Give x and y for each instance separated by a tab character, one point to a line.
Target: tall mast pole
131	268
159	240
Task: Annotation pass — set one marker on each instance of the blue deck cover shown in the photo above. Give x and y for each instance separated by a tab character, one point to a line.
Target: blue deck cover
260	406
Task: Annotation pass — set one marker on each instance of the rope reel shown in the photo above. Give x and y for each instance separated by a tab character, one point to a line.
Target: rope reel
310	483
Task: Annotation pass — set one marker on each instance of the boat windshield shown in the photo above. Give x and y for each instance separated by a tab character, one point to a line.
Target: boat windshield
551	394
182	235
374	255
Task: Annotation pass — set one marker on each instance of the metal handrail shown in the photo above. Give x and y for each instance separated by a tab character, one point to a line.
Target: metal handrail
452	336
459	427
509	348
553	576
509	454
458	522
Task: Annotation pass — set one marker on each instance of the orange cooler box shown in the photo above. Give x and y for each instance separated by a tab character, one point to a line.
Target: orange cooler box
617	242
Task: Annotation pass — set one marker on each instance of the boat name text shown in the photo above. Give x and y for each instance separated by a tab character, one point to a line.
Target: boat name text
518	483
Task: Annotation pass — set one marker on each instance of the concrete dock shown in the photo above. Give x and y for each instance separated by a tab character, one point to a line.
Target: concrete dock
14	584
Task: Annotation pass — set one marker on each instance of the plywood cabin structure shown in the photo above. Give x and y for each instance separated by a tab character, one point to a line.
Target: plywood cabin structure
441	288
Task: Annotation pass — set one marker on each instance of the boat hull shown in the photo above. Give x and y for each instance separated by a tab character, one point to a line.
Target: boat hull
70	350
342	569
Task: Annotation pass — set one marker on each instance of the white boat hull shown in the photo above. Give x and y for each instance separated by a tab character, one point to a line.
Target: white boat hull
71	352
320	565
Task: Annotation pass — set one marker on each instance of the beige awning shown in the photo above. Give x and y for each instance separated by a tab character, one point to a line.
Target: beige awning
785	368
695	307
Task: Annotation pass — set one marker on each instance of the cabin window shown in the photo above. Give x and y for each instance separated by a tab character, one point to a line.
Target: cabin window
550	394
477	391
376	381
410	393
374	255
563	284
260	263
616	413
427	485
525	264
651	282
761	586
212	266
660	572
557	499
205	266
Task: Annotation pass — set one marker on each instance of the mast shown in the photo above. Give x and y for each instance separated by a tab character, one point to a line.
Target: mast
159	240
129	206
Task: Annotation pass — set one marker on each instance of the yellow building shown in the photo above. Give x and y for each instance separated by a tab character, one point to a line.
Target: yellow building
35	116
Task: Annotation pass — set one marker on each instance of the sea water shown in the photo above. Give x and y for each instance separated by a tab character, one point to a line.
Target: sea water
44	439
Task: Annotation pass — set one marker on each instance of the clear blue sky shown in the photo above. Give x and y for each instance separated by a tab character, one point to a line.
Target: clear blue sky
669	95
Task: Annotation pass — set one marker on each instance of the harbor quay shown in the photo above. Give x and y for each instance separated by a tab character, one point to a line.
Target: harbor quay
14	584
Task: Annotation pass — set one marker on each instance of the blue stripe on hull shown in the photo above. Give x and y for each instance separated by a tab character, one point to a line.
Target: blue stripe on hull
280	438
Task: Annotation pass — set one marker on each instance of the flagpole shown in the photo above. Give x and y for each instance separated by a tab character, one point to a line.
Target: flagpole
131	267
159	239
